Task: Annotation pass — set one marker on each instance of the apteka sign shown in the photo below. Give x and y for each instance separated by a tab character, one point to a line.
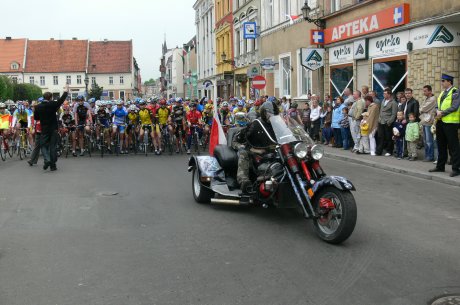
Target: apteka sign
388	18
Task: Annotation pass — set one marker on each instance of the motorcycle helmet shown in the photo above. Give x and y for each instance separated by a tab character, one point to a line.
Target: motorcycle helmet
267	110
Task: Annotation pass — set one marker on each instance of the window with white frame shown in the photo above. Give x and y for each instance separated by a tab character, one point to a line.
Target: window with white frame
285	75
269	14
110	80
122	80
237	42
305	81
93	80
111	95
287	10
42	81
78	79
335	5
55	80
14	79
31	80
69	79
14	66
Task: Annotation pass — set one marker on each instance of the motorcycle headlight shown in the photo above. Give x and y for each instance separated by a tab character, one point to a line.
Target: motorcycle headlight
301	150
317	152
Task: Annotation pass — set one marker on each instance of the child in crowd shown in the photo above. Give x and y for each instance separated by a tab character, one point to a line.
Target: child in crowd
364	140
327	129
305	114
399	130
412	136
345	129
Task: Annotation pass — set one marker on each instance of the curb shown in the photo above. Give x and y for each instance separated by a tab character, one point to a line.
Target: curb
395	169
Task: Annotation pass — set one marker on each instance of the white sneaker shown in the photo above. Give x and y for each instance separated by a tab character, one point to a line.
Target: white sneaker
387	155
435	162
373	154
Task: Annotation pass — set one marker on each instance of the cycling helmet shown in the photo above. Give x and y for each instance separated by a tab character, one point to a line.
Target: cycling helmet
108	103
132	108
225	104
92	100
240	116
179	99
141	102
118	103
251	102
40	100
187	98
192	105
162	102
138	99
80	98
2	106
21	108
240	104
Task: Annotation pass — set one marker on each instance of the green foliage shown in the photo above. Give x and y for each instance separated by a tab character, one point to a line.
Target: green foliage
96	92
16	92
150	82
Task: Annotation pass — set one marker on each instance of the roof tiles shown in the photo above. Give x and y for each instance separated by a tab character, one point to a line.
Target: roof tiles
56	56
110	56
11	50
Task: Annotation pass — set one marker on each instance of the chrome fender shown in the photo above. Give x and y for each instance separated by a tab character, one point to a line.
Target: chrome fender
338	182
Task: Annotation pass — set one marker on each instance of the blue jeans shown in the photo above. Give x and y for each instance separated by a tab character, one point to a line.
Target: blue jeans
190	135
345	132
429	143
327	134
399	142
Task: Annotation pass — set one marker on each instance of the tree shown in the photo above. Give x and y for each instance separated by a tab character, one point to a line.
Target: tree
6	88
96	92
150	82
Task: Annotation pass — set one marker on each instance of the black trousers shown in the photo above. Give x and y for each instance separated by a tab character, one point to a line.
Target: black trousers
447	138
48	143
384	141
314	132
36	151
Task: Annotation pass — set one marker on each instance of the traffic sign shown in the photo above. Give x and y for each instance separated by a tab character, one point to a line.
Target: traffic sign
259	82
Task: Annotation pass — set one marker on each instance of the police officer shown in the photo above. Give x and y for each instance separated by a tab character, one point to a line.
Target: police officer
448	120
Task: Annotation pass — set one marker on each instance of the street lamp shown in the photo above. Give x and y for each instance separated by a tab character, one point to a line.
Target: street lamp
223	56
306	10
86	85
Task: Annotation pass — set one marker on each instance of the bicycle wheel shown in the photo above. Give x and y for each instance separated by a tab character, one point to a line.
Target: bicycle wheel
88	145
170	144
117	144
9	148
134	141
146	142
66	145
196	143
102	145
2	149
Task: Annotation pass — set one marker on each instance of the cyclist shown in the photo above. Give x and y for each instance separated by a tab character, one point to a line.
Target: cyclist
178	117
5	118
146	120
67	123
83	120
119	123
240	107
103	121
164	118
133	124
21	119
225	115
208	115
193	121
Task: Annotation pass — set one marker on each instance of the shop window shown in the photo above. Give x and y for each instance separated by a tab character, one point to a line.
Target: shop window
341	78
389	72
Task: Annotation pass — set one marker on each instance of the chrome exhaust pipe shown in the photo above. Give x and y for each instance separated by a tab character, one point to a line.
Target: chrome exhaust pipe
219	201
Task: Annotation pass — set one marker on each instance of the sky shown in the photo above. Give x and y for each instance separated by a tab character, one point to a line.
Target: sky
143	21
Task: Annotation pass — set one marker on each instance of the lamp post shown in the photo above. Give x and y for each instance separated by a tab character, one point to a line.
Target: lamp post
223	56
306	10
86	86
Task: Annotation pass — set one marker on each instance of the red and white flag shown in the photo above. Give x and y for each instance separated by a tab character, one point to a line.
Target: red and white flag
292	18
217	132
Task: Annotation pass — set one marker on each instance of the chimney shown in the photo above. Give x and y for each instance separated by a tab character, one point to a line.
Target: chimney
74	38
8	37
106	40
51	38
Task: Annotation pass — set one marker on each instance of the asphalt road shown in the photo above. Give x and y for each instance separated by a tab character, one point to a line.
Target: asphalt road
125	231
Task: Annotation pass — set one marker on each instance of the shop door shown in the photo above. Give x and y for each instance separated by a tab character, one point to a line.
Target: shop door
390	72
341	78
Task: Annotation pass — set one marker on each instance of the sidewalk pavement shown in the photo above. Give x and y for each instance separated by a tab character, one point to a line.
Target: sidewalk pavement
417	168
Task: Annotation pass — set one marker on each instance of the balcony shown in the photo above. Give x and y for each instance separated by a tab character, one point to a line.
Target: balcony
247	59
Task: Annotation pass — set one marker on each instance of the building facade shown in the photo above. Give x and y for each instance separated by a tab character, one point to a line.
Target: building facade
283	34
224	48
190	70
391	44
247	51
13	58
205	48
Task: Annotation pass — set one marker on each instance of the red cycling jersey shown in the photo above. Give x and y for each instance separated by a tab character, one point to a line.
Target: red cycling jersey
194	117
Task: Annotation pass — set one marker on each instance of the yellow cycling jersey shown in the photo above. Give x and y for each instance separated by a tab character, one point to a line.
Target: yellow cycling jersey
236	110
145	116
133	118
163	115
